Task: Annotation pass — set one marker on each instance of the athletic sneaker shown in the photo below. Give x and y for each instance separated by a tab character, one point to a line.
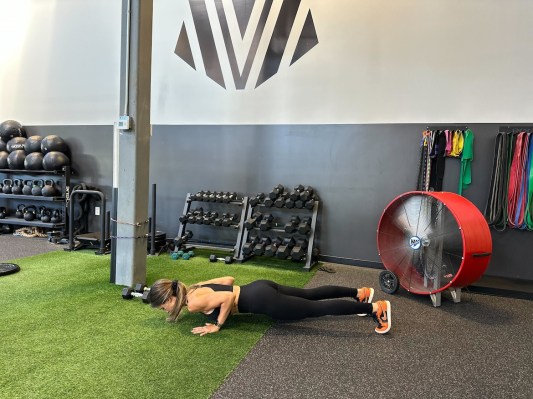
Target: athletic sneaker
382	317
365	296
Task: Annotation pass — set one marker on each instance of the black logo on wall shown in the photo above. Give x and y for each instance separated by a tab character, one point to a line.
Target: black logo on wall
243	10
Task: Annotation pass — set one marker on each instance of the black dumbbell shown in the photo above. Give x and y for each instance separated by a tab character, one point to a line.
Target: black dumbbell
284	249
294	195
289	203
270	250
251	222
280	201
298	251
254	201
197	197
276	192
230	219
305	226
292	225
310	204
228	260
248	247
140	291
266	222
230	197
209	217
307	193
259	248
268	202
219	220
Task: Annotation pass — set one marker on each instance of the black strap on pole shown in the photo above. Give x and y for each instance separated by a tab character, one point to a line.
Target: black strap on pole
113	268
152	236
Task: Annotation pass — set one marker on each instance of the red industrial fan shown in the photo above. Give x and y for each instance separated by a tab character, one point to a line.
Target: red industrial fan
432	241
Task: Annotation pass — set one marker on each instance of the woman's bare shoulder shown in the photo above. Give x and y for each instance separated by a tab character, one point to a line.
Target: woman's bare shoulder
227	280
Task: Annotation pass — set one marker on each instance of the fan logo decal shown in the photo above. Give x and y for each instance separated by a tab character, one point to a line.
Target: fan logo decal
240	27
414	242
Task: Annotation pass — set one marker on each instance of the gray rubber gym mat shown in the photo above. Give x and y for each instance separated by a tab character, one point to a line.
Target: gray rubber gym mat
479	348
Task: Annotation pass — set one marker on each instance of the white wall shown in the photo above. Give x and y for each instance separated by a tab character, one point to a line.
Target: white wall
377	61
60	61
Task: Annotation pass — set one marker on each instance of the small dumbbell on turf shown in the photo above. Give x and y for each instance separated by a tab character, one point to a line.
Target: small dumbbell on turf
140	291
228	260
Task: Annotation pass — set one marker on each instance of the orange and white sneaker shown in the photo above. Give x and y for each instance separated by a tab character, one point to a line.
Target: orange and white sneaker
365	295
382	317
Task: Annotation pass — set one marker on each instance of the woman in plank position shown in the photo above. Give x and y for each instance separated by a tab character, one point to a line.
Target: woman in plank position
219	298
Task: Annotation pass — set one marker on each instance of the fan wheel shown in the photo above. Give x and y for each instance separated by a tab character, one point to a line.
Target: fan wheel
388	282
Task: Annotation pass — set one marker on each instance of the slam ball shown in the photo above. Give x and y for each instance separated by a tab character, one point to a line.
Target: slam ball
3	160
2	146
33	161
15	160
33	144
55	160
16	143
53	143
10	129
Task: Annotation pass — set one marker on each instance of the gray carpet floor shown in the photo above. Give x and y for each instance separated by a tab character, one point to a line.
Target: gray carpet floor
13	247
479	348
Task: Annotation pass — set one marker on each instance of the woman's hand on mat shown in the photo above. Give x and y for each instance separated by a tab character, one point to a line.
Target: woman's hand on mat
207	329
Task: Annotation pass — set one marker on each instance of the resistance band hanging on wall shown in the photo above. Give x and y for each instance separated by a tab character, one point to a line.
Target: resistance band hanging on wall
436	146
510	201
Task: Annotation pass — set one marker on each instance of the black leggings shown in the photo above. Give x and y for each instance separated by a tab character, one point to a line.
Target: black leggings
288	303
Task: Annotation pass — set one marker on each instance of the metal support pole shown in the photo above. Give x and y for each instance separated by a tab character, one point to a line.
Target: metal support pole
134	143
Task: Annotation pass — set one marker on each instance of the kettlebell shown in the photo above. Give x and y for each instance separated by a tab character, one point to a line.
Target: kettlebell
8	183
17	187
45	215
19	213
37	187
3	212
26	190
56	217
49	189
30	213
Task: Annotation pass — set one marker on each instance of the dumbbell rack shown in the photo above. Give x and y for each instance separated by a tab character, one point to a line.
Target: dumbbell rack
309	258
235	250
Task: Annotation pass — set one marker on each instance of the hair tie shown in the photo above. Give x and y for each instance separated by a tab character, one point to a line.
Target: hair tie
175	287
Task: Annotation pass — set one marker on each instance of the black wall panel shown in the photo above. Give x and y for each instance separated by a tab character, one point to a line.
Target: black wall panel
356	169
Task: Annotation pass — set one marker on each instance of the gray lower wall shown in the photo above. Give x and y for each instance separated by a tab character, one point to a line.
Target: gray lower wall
356	169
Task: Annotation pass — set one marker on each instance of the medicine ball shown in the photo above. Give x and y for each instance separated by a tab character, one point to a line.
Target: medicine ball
53	143
16	143
2	146
33	144
55	160
3	160
10	129
15	160
33	161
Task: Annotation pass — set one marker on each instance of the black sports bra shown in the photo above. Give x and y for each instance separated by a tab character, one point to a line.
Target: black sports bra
216	287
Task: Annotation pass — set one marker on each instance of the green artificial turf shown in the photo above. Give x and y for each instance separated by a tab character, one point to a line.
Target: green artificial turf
66	331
